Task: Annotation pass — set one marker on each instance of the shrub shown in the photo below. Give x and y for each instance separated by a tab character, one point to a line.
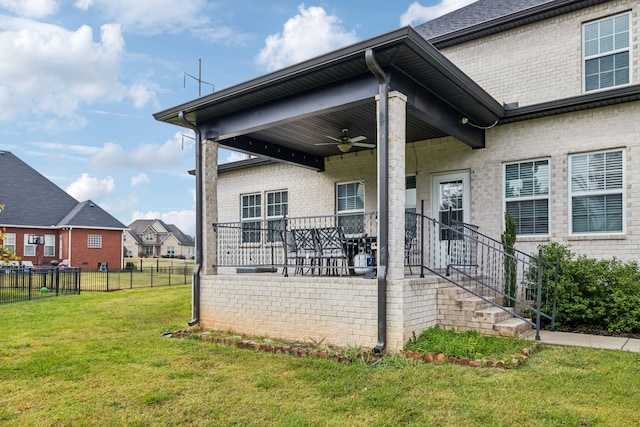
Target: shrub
593	294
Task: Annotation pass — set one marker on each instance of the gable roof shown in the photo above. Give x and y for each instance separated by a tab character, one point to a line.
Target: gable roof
31	200
139	226
485	17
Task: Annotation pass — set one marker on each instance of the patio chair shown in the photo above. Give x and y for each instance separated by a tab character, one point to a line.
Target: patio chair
409	236
290	249
307	251
333	250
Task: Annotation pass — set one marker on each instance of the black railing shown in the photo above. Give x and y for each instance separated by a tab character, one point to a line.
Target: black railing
24	284
266	245
113	280
511	280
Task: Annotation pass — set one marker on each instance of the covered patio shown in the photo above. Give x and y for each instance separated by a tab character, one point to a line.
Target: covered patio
391	90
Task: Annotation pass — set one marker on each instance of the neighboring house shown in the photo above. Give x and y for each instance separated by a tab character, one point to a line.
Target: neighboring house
154	238
526	107
43	223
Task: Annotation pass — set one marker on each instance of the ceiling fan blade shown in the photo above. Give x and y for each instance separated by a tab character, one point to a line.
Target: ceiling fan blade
338	140
363	144
326	143
358	138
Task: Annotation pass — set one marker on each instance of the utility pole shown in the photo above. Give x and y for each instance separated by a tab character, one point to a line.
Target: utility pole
198	79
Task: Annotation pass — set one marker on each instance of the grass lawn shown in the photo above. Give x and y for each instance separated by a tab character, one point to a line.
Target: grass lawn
100	359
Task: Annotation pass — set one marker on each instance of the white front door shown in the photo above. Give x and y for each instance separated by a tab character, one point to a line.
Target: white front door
451	202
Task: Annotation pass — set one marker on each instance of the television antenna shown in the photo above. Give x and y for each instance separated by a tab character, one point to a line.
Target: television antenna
198	79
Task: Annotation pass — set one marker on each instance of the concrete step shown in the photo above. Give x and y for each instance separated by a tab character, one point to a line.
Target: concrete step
511	327
492	315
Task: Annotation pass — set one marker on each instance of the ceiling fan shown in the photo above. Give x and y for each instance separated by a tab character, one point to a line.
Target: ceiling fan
344	142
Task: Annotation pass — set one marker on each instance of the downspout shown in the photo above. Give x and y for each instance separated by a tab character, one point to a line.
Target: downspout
383	194
195	287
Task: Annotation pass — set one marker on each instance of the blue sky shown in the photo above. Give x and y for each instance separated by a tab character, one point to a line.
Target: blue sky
80	80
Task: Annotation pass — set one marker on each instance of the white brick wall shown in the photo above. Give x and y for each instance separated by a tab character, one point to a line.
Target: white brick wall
538	62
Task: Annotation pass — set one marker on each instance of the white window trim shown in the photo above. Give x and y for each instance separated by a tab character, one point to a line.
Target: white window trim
364	202
266	203
49	242
27	245
526	198
98	240
598	234
9	241
613	52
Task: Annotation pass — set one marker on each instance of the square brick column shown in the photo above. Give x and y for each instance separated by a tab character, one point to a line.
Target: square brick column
209	206
397	123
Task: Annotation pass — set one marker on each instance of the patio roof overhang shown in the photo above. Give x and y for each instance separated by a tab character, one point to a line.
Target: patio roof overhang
285	114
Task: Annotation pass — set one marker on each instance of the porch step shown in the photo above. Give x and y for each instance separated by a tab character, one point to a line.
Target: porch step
511	327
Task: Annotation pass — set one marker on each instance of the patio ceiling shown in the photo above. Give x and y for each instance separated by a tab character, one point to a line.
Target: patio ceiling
285	114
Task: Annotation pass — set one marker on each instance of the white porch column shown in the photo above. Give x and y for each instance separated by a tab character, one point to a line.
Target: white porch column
209	206
397	123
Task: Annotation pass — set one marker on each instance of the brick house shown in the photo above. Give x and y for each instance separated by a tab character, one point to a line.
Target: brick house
43	223
522	107
155	238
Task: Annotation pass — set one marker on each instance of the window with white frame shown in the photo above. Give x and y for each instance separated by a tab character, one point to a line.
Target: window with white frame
526	192
606	52
94	241
9	241
49	245
171	250
251	216
277	208
350	206
29	248
149	237
597	192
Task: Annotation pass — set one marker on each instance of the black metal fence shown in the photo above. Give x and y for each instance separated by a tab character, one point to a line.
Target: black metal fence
113	280
24	284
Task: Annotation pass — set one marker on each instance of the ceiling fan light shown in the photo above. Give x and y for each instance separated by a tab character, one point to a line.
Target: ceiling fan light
344	147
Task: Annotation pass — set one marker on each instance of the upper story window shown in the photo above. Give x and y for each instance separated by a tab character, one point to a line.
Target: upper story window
597	192
251	215
350	206
9	241
148	237
526	192
94	241
277	208
606	52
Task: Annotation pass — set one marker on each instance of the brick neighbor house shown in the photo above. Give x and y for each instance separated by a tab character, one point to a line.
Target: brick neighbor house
414	144
43	223
155	238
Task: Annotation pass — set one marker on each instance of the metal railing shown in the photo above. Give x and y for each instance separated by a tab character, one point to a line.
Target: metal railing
25	284
509	279
258	245
114	280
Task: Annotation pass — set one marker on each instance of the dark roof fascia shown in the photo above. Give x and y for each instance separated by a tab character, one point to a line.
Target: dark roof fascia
514	20
244	164
577	103
406	35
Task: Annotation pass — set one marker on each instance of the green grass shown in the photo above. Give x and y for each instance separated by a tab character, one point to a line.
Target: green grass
100	359
470	344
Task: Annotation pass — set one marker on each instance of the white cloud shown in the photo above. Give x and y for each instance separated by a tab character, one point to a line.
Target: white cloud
152	16
31	8
308	34
145	156
185	220
231	156
141	178
49	73
88	187
417	14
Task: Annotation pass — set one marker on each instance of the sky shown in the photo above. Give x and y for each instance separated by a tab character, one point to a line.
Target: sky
80	80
